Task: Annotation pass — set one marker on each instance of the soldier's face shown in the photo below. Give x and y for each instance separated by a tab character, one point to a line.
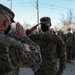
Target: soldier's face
9	26
5	22
45	26
2	21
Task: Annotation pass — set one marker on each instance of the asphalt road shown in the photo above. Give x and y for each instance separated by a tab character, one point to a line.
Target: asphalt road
26	71
70	70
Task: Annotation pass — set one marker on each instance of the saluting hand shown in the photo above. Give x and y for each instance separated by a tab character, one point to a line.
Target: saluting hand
20	32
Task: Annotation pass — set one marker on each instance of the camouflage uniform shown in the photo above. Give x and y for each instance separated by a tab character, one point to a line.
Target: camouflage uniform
73	56
69	46
13	53
33	46
17	56
50	46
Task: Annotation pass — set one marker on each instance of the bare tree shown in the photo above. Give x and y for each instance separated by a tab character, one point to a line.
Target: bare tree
26	25
69	21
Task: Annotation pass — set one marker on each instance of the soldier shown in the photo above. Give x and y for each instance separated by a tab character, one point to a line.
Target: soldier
13	53
73	56
69	45
50	44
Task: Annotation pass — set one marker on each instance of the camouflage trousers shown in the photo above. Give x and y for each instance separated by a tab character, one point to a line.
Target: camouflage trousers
69	53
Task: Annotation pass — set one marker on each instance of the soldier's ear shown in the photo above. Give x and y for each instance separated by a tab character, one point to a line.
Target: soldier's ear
6	24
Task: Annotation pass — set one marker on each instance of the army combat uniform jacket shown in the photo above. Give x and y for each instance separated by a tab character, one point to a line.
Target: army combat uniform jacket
69	40
51	47
14	56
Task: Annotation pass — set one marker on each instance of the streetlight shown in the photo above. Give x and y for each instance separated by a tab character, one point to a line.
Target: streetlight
10	4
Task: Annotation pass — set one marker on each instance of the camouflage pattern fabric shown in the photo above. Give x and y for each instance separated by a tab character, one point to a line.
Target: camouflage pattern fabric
69	39
50	46
35	49
13	56
73	55
69	45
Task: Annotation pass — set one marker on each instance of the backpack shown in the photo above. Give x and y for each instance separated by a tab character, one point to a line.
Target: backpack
6	66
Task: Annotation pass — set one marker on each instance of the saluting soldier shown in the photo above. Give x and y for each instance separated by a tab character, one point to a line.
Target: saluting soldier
50	44
13	53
